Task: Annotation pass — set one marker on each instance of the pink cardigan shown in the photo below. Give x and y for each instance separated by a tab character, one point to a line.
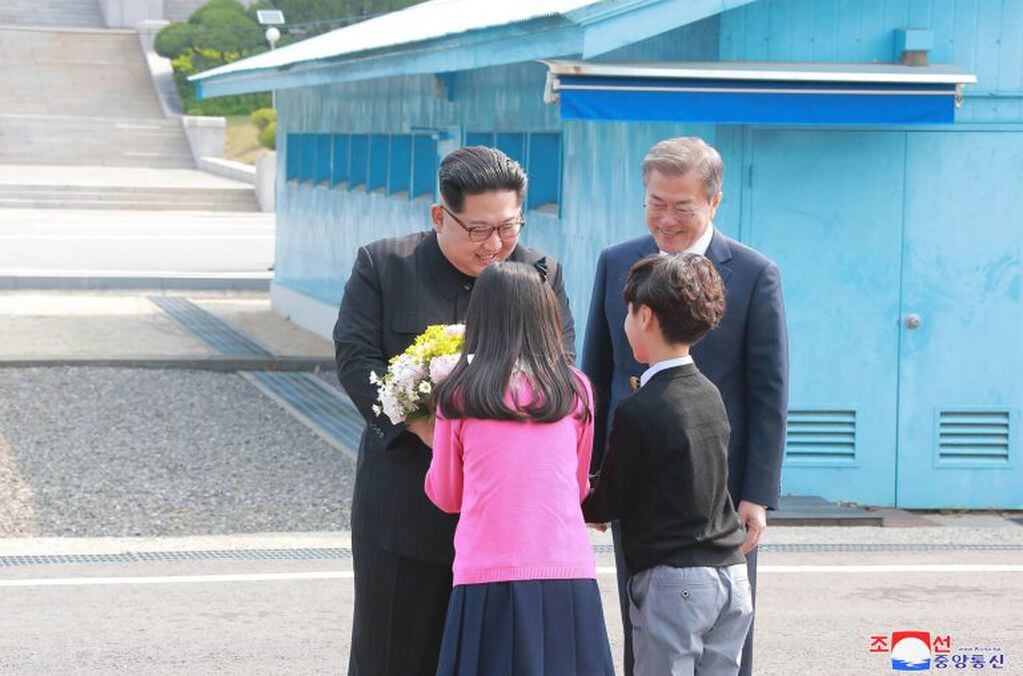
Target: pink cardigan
518	487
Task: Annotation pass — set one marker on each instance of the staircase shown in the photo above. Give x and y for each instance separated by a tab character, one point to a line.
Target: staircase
93	141
83	97
157	198
65	13
81	126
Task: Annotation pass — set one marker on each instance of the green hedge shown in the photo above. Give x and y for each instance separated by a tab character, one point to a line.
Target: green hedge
268	137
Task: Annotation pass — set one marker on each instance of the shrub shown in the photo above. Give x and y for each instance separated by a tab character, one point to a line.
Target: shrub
268	137
263	117
227	31
231	6
174	39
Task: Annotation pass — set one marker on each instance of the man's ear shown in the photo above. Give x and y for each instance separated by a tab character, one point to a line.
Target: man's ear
715	202
647	318
437	217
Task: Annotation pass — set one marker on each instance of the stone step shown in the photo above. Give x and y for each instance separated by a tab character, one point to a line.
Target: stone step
137	205
18	196
116	192
83	13
110	160
45	139
229	200
91	73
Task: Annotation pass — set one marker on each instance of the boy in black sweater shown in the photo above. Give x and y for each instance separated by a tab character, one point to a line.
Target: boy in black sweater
665	477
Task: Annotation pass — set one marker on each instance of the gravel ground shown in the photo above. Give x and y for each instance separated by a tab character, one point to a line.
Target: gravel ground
122	452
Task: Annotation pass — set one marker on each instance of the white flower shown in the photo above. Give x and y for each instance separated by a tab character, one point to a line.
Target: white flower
441	367
374	379
454	330
424	387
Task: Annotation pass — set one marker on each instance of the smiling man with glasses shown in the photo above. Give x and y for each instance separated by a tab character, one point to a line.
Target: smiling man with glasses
402	545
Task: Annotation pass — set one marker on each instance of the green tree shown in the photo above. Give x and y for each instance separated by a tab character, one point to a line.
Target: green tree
222	31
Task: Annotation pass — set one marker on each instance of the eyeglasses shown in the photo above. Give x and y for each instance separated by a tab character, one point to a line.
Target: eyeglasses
678	211
481	233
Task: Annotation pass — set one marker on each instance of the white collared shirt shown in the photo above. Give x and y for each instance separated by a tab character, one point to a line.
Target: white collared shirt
661	366
701	244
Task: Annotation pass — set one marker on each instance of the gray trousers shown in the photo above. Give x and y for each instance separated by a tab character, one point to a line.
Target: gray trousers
689	621
623	599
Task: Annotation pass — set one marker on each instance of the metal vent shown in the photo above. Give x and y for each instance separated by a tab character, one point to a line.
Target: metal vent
181	556
815	436
973	437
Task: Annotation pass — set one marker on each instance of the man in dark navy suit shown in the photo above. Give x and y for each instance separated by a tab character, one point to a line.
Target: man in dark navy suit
746	356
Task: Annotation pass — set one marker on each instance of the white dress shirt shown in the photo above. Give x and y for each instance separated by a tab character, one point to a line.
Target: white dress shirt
662	365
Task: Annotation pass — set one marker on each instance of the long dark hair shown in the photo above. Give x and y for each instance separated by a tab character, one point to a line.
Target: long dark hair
512	325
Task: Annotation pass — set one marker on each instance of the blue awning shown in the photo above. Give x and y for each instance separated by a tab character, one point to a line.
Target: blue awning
763	93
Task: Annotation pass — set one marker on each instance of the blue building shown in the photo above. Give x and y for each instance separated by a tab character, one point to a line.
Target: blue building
888	188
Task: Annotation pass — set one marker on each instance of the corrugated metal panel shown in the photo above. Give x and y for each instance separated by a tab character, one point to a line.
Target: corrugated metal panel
984	37
425	21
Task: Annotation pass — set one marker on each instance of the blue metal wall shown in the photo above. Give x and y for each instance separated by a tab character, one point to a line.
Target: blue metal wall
868	226
872	226
983	36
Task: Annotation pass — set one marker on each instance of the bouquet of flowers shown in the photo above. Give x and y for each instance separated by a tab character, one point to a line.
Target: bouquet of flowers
404	390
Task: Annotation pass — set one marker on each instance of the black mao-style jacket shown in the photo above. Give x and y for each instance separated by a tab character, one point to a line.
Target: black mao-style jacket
397	288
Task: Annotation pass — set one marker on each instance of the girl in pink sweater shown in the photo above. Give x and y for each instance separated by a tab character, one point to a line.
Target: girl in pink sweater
511	453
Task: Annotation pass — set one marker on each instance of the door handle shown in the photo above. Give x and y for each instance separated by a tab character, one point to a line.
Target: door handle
913	321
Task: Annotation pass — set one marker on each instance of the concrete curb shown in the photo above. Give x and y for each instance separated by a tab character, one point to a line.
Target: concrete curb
255	282
215	363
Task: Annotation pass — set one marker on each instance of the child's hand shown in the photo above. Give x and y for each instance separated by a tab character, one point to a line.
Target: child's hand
602	527
754	518
422	428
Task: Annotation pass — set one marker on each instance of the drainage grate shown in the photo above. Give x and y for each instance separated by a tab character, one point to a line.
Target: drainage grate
897	547
308	554
211	330
345	553
324	409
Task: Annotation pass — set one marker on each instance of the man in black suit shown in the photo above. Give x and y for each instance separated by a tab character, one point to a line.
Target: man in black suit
402	545
746	356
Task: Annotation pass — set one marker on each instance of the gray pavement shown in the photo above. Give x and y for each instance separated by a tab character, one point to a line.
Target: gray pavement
61	325
294	616
51	242
210	502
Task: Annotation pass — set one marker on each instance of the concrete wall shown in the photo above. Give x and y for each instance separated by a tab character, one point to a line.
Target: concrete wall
127	13
206	135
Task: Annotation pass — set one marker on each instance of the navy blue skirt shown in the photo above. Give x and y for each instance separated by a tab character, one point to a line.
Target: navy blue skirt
526	628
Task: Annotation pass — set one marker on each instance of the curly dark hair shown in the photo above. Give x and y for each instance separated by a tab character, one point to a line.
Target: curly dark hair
684	292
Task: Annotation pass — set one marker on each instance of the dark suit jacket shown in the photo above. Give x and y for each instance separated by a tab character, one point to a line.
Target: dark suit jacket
397	288
746	357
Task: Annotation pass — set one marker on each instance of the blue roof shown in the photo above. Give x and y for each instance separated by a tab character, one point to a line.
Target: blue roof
449	35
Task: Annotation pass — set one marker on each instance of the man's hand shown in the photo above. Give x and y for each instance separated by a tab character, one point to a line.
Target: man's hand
754	517
422	428
601	527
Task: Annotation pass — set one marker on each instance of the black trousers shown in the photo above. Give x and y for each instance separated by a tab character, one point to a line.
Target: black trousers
400	607
623	577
